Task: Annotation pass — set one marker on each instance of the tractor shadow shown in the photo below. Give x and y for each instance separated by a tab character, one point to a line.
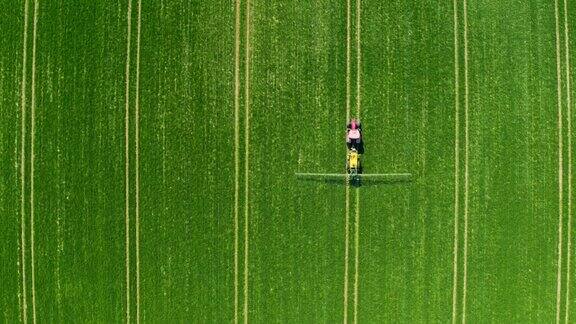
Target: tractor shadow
357	182
359	147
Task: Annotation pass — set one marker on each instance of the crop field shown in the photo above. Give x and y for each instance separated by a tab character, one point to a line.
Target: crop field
148	152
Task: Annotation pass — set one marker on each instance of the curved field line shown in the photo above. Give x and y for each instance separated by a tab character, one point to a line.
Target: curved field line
32	157
24	302
127	157
569	126
560	171
456	163
466	158
236	151
247	162
137	162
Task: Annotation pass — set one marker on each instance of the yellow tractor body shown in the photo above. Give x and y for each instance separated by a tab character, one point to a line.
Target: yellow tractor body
353	165
353	160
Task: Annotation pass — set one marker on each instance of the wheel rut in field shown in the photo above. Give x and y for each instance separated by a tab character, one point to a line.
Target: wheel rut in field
356	236
32	159
137	161
569	144
460	26
23	300
466	164
247	158
456	164
347	189
236	151
132	278
560	163
127	159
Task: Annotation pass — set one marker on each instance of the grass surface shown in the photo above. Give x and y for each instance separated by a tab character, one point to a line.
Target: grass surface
148	153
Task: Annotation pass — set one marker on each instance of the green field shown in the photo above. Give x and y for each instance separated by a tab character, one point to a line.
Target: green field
148	152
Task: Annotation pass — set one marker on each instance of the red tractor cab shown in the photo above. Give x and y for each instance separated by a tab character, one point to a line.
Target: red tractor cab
354	135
